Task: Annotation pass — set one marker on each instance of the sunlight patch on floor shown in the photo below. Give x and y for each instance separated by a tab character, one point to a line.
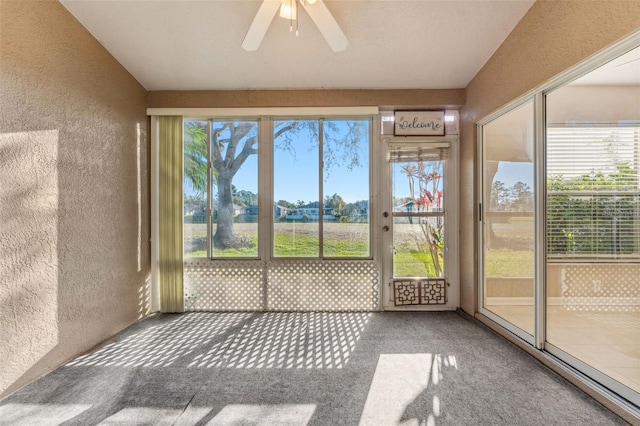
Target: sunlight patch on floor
16	414
399	389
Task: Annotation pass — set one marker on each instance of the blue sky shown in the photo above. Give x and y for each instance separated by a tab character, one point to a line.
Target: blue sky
512	172
296	173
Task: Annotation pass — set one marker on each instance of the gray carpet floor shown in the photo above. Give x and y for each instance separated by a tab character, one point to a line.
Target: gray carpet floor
304	368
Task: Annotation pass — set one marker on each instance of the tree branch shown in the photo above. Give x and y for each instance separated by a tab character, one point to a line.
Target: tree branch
247	150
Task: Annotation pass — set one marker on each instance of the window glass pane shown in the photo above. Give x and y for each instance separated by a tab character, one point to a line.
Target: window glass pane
346	188
195	189
592	194
508	226
296	188
234	191
593	221
418	224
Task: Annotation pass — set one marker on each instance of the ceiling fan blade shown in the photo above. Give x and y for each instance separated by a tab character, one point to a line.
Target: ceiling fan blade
260	24
327	25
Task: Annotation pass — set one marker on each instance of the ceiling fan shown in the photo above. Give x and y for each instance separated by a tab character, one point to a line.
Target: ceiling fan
316	9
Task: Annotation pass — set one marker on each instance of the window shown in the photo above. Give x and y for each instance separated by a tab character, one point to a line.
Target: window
508	231
195	188
232	230
593	192
321	188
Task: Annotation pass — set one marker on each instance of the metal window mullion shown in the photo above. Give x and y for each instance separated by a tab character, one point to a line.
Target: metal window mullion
209	199
320	188
478	217
266	228
540	242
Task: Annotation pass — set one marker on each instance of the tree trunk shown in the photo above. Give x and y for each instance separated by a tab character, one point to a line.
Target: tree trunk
225	237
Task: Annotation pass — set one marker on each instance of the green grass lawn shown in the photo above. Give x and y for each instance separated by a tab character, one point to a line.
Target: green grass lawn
287	245
507	263
409	262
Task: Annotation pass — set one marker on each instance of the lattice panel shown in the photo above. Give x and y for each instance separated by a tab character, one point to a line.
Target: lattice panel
223	285
601	287
322	286
429	291
300	285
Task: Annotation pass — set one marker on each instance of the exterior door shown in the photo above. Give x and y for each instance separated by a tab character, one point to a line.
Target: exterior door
420	225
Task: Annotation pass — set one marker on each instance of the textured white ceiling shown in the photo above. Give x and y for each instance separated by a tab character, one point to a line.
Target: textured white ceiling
393	44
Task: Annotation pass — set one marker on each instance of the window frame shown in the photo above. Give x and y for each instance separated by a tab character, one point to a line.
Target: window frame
265	165
321	119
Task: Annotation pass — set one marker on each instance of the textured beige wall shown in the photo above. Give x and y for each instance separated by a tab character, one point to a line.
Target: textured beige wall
74	252
551	37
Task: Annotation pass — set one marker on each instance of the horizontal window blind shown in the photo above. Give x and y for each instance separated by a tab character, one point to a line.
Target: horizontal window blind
419	152
593	192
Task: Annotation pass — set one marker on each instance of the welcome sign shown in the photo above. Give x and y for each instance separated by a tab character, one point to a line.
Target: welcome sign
419	123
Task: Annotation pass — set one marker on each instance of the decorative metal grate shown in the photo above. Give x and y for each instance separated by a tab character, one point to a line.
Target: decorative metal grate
601	287
412	291
281	285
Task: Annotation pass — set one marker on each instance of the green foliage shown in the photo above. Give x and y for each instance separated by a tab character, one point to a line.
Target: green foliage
195	156
518	197
593	214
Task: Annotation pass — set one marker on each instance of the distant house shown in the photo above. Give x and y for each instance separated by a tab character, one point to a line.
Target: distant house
413	207
237	210
311	212
278	211
362	207
251	210
409	206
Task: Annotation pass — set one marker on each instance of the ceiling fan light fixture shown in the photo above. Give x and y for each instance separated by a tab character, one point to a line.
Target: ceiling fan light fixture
288	9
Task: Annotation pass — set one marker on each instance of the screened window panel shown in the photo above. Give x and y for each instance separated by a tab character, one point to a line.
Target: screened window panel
593	192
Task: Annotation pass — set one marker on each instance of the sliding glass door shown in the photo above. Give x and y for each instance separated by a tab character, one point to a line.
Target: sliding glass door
559	214
593	223
507	220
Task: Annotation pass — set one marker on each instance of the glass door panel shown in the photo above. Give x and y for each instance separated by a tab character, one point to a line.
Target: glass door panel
418	219
507	217
593	225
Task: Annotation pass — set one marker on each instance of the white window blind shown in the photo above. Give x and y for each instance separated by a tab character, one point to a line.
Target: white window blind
405	153
593	192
